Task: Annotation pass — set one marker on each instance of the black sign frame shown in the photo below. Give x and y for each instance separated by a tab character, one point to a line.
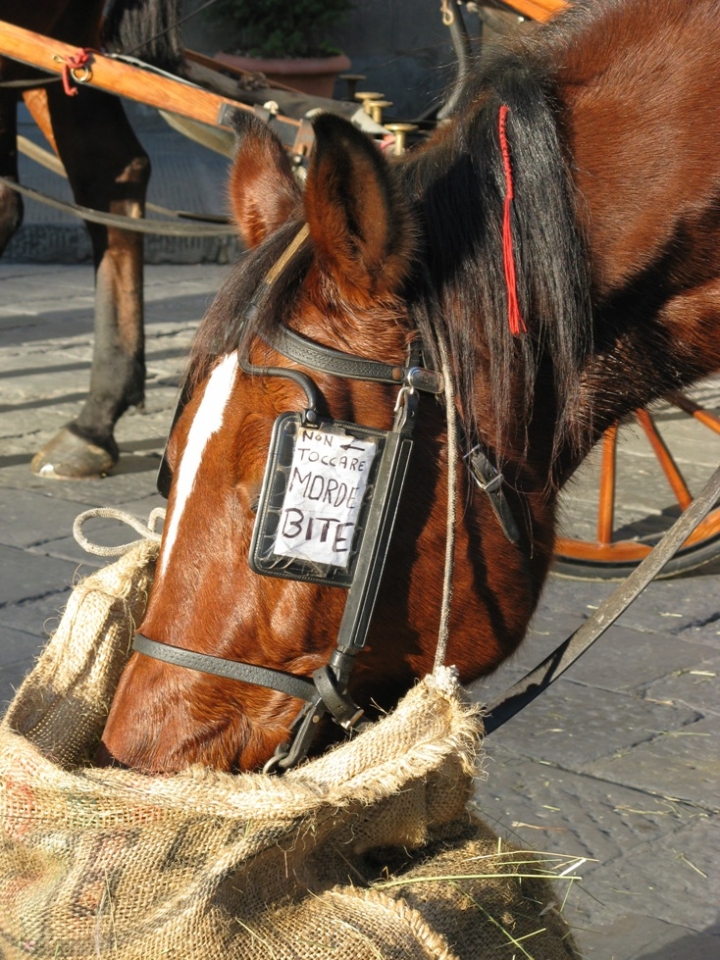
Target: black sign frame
286	431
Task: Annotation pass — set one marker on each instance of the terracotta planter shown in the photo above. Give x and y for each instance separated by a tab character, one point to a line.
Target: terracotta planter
312	76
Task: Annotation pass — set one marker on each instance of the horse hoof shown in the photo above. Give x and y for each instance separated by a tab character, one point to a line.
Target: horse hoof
69	456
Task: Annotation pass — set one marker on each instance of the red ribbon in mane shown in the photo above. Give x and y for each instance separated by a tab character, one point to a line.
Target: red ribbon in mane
515	320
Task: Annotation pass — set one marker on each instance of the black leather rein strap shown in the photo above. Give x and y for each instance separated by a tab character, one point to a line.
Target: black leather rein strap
328	691
532	684
307	353
232	669
162	228
489	479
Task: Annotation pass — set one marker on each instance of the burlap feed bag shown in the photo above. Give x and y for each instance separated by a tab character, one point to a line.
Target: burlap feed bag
204	866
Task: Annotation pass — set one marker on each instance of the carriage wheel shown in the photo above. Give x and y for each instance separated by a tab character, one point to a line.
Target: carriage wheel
633	488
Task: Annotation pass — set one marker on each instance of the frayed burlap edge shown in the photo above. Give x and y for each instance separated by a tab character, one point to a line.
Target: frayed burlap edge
112	863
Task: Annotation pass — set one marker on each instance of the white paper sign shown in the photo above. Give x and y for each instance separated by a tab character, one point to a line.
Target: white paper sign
324	494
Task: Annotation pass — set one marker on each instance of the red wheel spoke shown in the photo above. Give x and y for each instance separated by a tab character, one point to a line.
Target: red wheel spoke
606	505
709	420
665	459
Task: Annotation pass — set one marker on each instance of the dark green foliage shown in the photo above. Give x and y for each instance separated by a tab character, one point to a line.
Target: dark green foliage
276	28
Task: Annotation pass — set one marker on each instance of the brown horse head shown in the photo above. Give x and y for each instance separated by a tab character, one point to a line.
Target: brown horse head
617	278
348	291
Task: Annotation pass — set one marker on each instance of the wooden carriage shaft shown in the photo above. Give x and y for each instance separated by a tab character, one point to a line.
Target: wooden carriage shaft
536	9
146	87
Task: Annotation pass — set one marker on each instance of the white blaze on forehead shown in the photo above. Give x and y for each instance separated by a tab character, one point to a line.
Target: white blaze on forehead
207	421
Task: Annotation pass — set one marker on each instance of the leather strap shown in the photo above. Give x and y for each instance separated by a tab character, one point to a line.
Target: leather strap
163	228
232	669
490	481
532	684
310	354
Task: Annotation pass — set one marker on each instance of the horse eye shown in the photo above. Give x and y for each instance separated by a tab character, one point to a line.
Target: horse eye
248	495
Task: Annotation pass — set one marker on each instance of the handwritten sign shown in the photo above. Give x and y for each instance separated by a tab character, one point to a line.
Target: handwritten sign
325	488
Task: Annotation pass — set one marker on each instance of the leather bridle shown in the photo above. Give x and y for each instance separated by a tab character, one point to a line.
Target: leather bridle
327	692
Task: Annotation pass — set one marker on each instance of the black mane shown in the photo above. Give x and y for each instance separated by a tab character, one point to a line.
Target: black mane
146	29
227	325
456	186
458	189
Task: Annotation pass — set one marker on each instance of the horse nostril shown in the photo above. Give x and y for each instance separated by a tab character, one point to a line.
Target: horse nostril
103	758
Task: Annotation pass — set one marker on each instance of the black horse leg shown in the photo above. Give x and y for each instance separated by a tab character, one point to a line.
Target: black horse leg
109	171
11	206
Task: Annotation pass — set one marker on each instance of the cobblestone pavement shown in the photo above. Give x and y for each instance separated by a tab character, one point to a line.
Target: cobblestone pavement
618	763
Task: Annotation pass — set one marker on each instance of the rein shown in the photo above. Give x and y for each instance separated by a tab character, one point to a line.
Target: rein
121	222
28	84
553	666
53	163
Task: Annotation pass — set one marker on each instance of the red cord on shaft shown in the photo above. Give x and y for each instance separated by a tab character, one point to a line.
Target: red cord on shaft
77	61
515	320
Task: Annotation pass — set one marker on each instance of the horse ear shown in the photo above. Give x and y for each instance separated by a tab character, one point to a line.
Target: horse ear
263	190
359	223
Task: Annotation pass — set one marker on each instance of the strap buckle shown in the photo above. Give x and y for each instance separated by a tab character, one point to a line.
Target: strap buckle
490	480
336	698
424	379
302	734
489	486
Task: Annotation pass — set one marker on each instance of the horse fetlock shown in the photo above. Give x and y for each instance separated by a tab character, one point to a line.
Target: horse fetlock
137	171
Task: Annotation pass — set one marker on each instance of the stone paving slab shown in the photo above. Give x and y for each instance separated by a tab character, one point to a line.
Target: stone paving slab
46	395
687	607
636	937
623	659
576	728
699	685
19	646
27	576
38	619
18	650
644	852
671	876
689	758
32	517
11	676
564	811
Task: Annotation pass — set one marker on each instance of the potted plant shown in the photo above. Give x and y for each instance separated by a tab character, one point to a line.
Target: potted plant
287	41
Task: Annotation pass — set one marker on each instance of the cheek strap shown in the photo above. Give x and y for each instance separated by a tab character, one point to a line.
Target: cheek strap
231	669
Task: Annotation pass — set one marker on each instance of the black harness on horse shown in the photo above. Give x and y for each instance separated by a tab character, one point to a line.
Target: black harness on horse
327	692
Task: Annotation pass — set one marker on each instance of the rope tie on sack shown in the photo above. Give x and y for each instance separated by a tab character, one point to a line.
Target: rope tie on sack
146	530
452	447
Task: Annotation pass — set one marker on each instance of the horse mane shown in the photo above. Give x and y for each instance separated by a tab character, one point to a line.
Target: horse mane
461	211
456	185
146	29
228	325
